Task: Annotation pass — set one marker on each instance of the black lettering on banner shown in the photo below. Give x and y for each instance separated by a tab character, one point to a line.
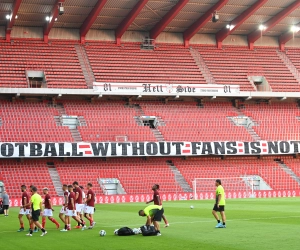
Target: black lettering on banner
151	148
75	151
113	147
136	148
246	147
231	148
61	150
35	149
7	149
162	146
195	147
147	87
284	147
100	149
255	146
219	148
124	146
50	149
107	87
227	89
206	149
273	147
178	147
21	147
296	146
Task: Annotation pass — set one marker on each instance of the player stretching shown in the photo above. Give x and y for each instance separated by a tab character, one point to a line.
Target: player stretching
71	212
62	212
154	214
36	210
78	203
90	204
48	209
220	205
157	201
24	209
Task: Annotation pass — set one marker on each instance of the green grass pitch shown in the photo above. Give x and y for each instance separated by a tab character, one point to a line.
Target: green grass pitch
257	224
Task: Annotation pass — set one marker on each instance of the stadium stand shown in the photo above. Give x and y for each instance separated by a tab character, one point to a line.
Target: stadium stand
30	121
165	64
58	60
32	172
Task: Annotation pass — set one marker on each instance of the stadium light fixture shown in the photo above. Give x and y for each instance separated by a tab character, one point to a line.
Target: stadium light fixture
248	98
47	18
55	19
16	17
295	29
139	96
282	98
177	96
262	27
213	97
8	17
99	96
229	26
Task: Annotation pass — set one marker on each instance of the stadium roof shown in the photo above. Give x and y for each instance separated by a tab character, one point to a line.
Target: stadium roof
154	16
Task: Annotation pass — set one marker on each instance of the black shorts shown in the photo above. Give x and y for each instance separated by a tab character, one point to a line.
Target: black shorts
219	209
35	215
158	215
5	207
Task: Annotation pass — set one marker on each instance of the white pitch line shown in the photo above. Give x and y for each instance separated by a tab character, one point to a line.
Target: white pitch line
180	222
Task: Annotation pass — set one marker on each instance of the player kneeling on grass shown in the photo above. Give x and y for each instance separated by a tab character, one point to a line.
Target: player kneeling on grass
48	209
36	210
154	214
71	211
90	205
219	205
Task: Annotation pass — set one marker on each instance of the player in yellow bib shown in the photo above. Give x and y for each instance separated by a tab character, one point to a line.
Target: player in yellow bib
219	205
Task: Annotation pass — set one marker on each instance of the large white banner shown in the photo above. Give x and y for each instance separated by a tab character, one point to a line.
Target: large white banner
176	89
136	149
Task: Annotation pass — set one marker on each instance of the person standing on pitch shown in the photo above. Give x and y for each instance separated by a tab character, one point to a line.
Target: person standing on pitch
219	205
24	209
48	211
63	210
5	200
90	206
78	203
36	204
157	201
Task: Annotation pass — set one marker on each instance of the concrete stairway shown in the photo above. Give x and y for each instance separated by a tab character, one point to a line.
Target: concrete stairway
289	171
179	177
76	134
85	65
289	64
55	179
202	66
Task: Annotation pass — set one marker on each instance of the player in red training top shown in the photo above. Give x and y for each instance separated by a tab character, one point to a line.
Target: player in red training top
63	210
48	209
71	211
90	205
78	202
25	208
157	201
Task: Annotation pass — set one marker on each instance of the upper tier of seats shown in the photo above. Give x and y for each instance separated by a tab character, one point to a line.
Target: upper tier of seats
167	64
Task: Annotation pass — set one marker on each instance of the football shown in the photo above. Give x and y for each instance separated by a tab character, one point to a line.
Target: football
116	231
191	207
102	233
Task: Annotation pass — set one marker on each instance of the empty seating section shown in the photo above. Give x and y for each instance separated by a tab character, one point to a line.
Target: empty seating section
233	65
30	122
105	120
128	63
58	61
185	121
276	121
29	172
294	56
136	175
216	168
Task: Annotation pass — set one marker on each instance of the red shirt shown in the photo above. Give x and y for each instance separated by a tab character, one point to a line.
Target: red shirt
79	191
91	202
25	195
47	201
71	195
66	194
155	198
